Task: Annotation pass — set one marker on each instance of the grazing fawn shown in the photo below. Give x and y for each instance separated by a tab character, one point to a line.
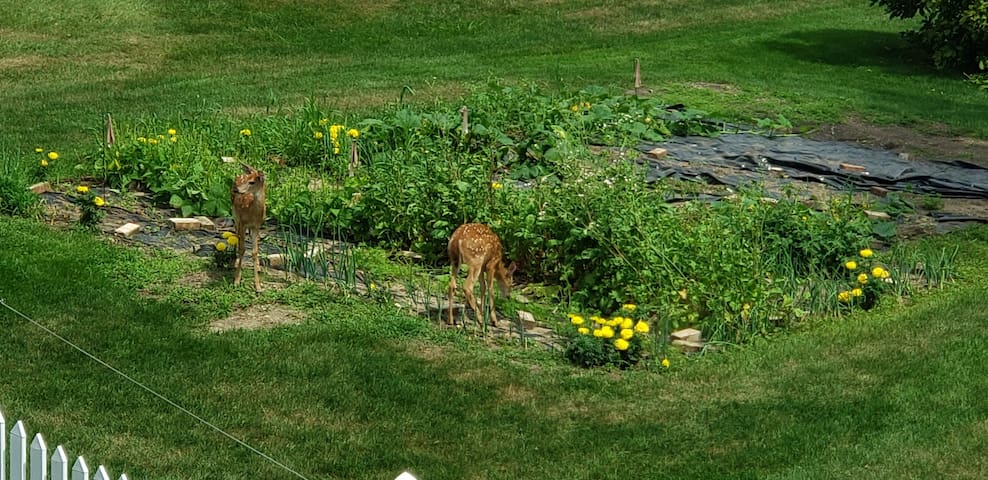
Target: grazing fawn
476	245
247	197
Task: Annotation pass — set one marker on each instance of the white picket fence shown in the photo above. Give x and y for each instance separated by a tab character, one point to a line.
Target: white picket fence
34	463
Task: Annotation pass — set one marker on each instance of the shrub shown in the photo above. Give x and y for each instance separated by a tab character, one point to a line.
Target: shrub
620	341
954	32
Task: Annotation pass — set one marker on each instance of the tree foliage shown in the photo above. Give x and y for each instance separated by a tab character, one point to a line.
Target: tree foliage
955	32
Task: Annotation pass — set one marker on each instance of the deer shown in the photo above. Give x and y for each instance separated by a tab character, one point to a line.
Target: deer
247	197
476	245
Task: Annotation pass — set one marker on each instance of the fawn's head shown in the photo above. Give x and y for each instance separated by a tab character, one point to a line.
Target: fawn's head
505	278
252	180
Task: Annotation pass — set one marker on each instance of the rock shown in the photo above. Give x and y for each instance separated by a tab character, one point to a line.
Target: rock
39	188
205	223
657	153
276	260
127	229
688	346
228	159
526	319
686	334
852	167
184	223
878	191
877	215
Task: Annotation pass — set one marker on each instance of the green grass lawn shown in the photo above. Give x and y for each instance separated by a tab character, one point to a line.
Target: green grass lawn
360	390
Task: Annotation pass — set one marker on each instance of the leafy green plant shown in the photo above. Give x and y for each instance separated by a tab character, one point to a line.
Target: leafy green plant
955	33
869	280
620	341
15	198
91	207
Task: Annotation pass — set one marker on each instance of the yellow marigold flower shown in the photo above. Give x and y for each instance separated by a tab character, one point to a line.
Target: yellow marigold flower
353	133
879	272
227	234
629	307
171	131
614	322
44	163
233	240
317	135
583	330
576	319
52	155
496	185
334	131
866	253
99	202
641	327
851	265
665	362
606	331
844	296
598	333
863	278
597	319
627	333
245	132
82	189
220	246
627	322
856	292
38	150
621	344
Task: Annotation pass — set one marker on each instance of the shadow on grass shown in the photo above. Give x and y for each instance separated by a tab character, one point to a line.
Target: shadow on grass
855	48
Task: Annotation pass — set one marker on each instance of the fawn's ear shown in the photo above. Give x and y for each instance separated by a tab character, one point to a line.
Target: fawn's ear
512	267
248	168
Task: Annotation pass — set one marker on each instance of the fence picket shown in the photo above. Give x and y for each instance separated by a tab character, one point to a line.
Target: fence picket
39	458
79	470
18	452
59	464
101	474
3	447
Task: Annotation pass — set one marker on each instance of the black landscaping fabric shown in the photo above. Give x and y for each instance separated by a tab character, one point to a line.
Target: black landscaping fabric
736	159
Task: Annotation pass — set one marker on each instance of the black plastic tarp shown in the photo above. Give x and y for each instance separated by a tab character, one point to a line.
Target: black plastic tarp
735	159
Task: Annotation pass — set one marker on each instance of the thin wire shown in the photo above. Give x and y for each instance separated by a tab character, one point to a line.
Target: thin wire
152	392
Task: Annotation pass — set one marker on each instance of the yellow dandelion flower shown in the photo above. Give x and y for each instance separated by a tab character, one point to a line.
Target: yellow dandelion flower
353	133
227	234
220	246
879	272
621	344
856	292
372	286
641	327
629	307
38	150
583	330
233	240
173	139
574	108
844	296
334	131
99	202
851	265
52	155
153	141
171	131
82	189
496	185
44	163
317	135
665	363
246	132
627	333
142	139
576	319
863	278
866	253
606	331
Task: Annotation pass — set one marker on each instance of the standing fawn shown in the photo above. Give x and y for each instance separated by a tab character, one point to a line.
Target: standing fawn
477	246
247	197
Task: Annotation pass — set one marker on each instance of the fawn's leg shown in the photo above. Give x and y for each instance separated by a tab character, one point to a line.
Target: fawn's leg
489	292
241	248
256	240
471	280
454	272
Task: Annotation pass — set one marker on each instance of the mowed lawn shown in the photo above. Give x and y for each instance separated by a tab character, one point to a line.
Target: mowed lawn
360	390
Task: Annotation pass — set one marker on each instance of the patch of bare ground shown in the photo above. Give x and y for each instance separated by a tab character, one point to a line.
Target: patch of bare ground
928	146
260	316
